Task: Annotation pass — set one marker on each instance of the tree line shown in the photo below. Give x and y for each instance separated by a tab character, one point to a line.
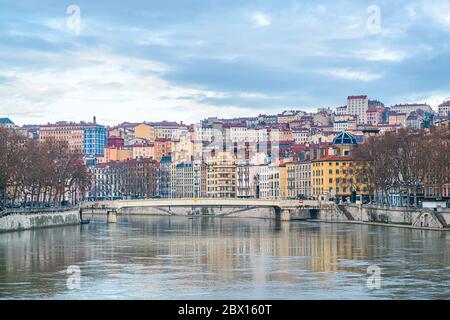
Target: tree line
34	174
413	164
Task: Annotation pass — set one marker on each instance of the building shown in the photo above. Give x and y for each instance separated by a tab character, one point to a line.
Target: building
183	149
143	151
444	109
358	106
334	177
82	138
184	176
165	178
289	116
388	127
299	180
398	119
200	181
113	153
269	182
221	176
115	142
415	121
168	130
145	131
139	178
125	131
63	132
189	180
301	136
7	123
283	182
342	125
106	182
94	140
409	108
163	148
343	143
374	115
341	110
243	181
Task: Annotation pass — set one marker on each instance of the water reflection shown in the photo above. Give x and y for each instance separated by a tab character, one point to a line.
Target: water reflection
177	258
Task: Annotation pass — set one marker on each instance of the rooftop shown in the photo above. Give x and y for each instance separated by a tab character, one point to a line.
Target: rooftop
6	121
344	138
356	97
334	158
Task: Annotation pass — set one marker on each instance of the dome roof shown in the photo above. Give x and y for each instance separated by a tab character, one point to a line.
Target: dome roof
344	138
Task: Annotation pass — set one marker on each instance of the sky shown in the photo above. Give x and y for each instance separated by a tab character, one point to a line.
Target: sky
186	60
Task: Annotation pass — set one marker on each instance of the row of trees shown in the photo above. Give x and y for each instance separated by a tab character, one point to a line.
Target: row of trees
409	163
39	174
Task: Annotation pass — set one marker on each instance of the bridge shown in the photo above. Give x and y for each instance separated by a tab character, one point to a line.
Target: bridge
279	209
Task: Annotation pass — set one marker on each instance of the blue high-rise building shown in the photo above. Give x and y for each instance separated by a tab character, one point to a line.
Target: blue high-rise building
94	140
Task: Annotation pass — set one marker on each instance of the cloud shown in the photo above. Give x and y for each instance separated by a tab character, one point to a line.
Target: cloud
261	20
352	75
438	11
384	54
109	86
151	59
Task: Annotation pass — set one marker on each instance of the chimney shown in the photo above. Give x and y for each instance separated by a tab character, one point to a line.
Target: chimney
95	120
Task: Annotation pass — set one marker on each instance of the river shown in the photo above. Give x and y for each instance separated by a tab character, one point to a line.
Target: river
212	258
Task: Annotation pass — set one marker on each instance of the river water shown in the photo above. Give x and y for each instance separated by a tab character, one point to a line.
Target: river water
211	258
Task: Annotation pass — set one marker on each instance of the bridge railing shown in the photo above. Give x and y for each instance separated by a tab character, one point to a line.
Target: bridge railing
201	202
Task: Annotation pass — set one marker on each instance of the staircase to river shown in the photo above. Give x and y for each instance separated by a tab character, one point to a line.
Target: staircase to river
345	211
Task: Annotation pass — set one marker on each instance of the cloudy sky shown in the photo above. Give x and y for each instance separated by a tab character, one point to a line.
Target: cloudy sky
185	60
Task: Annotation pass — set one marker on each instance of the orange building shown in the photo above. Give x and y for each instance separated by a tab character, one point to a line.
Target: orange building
63	132
117	154
163	148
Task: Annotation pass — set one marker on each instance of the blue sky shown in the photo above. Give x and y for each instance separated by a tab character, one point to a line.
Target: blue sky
189	59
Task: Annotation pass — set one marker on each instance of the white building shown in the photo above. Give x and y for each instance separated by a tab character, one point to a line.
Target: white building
340	126
7	123
341	110
247	175
299	179
301	136
358	105
269	182
444	109
409	108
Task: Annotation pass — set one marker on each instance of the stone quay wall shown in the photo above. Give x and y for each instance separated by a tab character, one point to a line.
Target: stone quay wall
26	220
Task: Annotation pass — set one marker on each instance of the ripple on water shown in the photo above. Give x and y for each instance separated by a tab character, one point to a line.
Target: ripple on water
177	258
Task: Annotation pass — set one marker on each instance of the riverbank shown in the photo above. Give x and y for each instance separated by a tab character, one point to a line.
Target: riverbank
412	218
38	218
379	224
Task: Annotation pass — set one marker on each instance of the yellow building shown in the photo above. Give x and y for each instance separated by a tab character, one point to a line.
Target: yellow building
398	119
114	154
143	151
145	131
283	182
335	177
221	176
183	149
